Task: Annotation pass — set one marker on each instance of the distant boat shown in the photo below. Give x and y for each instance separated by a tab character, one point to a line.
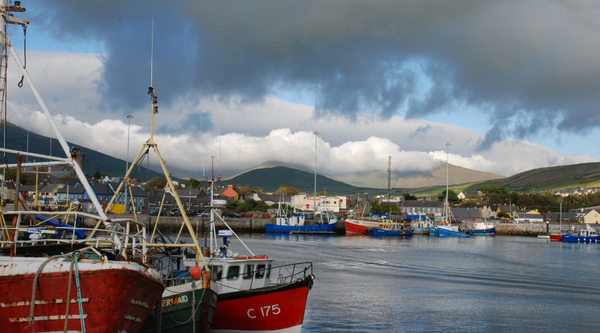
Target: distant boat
483	229
286	222
420	225
373	226
587	235
448	229
397	229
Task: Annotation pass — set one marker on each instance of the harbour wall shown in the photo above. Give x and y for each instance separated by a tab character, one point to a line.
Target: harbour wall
243	224
258	225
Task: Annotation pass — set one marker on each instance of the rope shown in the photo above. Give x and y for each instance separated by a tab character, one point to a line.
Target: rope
69	296
35	281
79	293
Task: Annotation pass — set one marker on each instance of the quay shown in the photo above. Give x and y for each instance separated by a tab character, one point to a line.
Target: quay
257	225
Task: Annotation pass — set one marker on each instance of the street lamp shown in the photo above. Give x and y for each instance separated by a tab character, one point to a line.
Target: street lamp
316	133
129	116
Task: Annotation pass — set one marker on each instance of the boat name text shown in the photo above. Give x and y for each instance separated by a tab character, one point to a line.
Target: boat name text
175	300
264	311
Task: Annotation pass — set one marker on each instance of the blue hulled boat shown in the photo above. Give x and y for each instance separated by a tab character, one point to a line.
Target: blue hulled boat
483	229
451	230
434	231
588	235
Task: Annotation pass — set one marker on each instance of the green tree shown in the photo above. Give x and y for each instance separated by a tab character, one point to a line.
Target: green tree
156	183
409	196
287	190
97	174
452	197
194	183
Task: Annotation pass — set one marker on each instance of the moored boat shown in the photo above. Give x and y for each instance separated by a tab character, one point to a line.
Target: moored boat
253	295
483	229
291	222
450	230
367	225
98	281
587	235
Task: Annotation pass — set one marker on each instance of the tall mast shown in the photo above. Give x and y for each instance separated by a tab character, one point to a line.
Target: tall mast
316	133
447	210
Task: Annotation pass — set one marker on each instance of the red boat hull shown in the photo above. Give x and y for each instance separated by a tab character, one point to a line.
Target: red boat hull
353	228
263	310
556	238
114	300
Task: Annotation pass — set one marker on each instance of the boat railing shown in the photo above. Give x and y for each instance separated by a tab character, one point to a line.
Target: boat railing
118	238
293	272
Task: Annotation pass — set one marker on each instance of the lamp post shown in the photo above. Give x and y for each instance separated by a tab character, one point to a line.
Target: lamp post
447	203
316	133
129	116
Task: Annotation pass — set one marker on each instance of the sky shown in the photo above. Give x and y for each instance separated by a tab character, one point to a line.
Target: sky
511	85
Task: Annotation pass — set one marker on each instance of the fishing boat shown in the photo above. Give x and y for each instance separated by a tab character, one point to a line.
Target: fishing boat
253	295
367	225
587	235
420	224
450	229
189	300
483	229
391	230
66	277
292	222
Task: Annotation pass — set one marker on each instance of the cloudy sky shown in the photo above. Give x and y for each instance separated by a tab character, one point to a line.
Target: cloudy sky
511	85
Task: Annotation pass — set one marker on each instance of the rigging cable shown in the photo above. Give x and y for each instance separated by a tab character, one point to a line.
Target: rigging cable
20	84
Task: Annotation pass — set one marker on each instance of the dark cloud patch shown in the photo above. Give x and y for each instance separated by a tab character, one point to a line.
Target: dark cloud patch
528	66
196	123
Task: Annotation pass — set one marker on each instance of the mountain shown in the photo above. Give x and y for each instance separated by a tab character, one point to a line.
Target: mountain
551	178
17	140
270	178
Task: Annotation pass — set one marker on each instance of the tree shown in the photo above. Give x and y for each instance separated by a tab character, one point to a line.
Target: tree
409	196
156	183
97	174
193	183
287	190
452	197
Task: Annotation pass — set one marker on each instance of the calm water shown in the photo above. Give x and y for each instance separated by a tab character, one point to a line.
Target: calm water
431	284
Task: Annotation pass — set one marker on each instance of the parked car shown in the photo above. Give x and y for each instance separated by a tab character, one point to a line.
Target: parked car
175	212
154	212
232	214
191	212
204	214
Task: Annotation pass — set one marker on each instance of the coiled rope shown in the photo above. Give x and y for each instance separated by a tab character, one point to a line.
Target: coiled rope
71	256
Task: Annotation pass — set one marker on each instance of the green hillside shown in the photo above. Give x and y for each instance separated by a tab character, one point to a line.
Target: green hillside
269	179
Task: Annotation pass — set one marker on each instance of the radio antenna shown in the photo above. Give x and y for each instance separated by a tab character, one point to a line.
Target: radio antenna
152	52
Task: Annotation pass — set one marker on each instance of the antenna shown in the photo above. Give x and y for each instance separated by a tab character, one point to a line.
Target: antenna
201	147
152	52
390	176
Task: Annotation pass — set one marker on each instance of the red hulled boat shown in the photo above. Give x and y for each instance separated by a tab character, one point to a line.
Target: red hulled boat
55	277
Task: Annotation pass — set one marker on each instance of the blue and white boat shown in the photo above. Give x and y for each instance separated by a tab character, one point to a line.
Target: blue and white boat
395	229
483	229
450	230
420	224
433	231
290	222
587	235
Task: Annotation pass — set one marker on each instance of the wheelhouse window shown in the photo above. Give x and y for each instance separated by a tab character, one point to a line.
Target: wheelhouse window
233	273
260	272
268	271
217	272
248	271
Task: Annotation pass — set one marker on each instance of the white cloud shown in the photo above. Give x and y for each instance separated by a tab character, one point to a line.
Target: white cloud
251	134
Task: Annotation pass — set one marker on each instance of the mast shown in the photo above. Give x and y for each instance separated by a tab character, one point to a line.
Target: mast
446	211
389	170
316	133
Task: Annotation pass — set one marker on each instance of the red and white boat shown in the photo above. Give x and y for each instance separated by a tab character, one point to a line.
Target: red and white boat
365	225
51	282
253	295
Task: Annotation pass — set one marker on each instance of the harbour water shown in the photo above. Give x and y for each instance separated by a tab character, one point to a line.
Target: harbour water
432	284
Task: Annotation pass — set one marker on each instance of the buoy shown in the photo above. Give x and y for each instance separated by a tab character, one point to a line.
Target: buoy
195	272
